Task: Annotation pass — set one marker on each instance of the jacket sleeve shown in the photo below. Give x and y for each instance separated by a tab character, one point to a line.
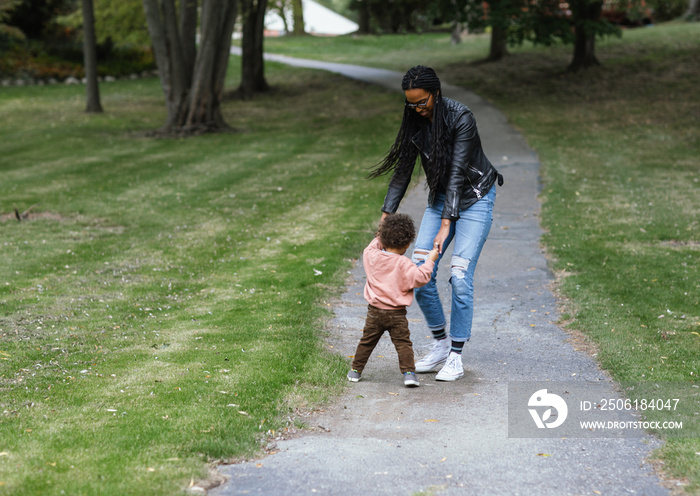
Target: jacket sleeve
466	139
397	189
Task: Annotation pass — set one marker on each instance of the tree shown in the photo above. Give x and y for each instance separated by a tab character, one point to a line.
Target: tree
281	7
118	22
477	15
585	13
363	14
693	12
90	57
5	7
252	60
298	16
393	16
544	22
192	77
35	17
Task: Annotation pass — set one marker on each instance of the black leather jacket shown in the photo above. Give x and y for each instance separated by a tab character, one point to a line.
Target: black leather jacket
471	175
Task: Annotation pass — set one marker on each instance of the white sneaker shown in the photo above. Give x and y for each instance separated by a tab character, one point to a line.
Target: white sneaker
452	370
436	357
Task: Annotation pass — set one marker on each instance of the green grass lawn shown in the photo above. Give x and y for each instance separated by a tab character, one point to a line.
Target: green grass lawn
162	306
620	152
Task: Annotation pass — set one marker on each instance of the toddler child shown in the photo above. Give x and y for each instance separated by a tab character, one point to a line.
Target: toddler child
391	278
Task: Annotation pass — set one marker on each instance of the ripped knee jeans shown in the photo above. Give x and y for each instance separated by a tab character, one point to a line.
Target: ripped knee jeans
469	234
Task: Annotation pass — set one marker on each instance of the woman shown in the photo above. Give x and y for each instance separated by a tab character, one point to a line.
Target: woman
461	187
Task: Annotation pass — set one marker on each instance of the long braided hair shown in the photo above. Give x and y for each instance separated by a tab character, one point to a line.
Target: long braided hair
401	158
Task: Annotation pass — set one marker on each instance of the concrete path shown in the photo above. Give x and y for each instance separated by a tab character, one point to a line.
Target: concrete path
380	438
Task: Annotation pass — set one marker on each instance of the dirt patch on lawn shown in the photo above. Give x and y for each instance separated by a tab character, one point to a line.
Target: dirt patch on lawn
18	216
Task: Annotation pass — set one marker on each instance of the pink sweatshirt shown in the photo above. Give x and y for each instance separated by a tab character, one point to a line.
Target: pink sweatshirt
391	277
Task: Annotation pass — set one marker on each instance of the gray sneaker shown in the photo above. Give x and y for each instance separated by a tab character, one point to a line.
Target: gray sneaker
354	375
410	379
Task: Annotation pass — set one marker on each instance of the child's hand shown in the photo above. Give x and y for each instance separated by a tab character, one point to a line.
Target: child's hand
434	254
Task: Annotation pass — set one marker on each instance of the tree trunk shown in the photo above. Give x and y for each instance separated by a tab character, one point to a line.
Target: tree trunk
192	78
211	65
252	61
364	18
188	28
693	12
499	43
456	34
298	17
585	12
90	58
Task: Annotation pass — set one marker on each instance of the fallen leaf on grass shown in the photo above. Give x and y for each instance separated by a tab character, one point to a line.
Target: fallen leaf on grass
151	469
5	453
243	413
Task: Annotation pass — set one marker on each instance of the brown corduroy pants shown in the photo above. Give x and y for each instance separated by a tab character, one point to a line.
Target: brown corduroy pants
379	320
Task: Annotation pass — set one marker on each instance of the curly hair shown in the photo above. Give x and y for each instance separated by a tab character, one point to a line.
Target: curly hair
401	158
397	231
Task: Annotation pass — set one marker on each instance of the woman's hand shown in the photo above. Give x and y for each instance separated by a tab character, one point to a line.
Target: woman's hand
442	234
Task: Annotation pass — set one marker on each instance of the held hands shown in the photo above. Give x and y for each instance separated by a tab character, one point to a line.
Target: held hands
442	235
434	254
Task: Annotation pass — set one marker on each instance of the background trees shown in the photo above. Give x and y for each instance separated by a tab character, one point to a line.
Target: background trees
395	16
252	62
192	69
10	31
35	17
192	75
90	55
545	22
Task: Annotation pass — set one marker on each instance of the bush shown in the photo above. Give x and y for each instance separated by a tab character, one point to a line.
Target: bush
666	10
63	59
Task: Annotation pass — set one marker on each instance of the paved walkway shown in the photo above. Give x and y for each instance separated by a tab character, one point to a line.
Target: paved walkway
380	438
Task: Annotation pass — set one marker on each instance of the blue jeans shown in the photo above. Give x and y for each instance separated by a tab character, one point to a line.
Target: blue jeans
469	233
